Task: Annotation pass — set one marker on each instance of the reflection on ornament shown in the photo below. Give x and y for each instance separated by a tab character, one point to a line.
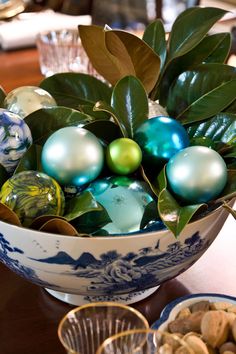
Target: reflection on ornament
73	156
159	139
123	156
125	200
196	174
27	99
15	139
31	194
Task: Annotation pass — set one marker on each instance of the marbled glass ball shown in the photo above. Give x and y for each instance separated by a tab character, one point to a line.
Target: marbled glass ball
31	194
196	174
15	139
27	99
160	138
124	199
73	156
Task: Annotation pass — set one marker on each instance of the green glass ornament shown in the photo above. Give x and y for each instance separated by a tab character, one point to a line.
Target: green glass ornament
31	194
123	156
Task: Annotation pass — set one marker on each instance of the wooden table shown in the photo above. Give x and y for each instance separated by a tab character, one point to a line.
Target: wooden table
29	316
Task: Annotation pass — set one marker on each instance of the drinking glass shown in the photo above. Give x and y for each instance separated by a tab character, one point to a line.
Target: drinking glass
84	328
144	341
62	51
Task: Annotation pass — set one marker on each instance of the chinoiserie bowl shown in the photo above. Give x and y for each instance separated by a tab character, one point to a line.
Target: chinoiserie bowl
171	310
125	269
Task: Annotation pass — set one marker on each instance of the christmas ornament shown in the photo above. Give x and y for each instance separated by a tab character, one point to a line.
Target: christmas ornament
31	194
125	200
15	139
160	138
196	174
123	156
73	156
27	99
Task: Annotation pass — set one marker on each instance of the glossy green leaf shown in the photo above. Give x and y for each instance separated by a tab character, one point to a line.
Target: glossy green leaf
221	52
3	175
130	103
215	101
89	110
105	107
80	205
220	128
31	160
2	96
155	36
74	89
91	221
115	54
46	121
213	47
172	214
230	210
150	214
202	92
190	28
106	131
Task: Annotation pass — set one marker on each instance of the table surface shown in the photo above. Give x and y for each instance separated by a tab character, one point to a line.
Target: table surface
29	316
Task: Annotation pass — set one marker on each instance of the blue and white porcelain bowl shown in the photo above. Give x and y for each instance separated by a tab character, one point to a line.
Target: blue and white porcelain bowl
170	312
117	268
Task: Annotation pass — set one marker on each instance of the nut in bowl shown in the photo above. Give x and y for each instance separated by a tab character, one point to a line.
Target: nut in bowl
119	224
207	322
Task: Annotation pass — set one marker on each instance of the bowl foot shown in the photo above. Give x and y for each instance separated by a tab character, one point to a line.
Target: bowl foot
79	300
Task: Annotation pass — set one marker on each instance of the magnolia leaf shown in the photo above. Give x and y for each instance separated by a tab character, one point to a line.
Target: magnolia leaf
106	131
155	36
212	47
230	210
8	215
140	54
221	52
38	222
98	115
52	119
3	175
206	82
229	190
130	103
31	160
2	96
80	205
91	221
111	67
215	101
74	89
59	227
103	106
190	28
174	216
150	214
220	128
161	182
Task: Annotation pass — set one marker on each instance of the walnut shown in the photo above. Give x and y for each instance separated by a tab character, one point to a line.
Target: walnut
215	328
233	330
227	346
196	344
203	305
192	323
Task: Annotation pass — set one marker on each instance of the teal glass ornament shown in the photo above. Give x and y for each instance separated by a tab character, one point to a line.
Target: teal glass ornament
125	200
31	194
196	174
27	99
73	156
123	156
159	139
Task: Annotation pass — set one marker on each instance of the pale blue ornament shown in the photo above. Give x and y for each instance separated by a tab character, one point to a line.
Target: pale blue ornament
73	156
124	199
196	174
15	139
